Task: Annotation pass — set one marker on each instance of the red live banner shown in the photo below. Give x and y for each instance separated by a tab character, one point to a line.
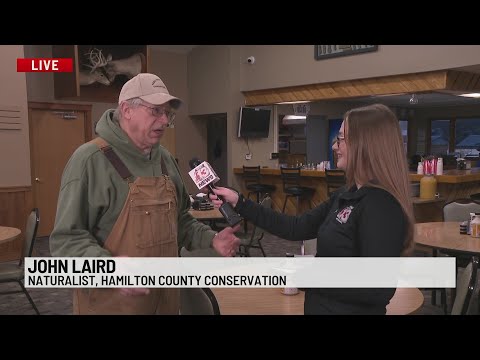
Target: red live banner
45	65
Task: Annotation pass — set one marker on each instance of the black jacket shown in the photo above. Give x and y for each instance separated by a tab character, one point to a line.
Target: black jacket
366	222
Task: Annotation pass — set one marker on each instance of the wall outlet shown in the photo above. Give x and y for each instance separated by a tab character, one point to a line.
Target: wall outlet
248	156
274	156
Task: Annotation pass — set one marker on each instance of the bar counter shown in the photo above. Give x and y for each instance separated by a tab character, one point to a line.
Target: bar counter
453	176
310	178
453	184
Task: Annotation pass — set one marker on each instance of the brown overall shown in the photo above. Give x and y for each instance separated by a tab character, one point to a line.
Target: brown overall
146	227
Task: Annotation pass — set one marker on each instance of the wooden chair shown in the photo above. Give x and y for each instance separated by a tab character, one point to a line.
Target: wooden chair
466	284
12	272
456	210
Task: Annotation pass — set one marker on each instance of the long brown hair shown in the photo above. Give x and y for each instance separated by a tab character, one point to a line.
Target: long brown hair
376	157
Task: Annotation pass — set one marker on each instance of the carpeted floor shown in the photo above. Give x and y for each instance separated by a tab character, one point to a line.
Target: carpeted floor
59	301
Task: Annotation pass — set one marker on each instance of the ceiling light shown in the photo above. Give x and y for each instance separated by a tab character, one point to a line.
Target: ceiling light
413	100
292	102
471	95
294	120
294	117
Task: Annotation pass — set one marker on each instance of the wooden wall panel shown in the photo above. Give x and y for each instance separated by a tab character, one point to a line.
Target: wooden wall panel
15	205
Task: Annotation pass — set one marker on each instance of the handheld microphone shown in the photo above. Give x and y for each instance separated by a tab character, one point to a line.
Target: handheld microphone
203	175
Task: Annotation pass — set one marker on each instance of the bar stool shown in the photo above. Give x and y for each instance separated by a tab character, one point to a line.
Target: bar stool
335	180
252	178
292	188
253	183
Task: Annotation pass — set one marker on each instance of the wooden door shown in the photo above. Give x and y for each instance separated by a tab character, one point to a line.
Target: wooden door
56	130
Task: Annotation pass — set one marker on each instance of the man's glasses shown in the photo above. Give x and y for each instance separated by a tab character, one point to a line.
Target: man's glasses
338	139
159	112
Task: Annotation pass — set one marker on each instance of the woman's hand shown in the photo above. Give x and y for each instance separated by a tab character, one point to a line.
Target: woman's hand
227	195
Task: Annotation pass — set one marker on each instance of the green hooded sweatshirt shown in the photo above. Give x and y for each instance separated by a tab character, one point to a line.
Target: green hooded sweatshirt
92	195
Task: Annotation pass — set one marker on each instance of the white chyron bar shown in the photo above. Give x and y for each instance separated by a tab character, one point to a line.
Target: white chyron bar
203	175
300	272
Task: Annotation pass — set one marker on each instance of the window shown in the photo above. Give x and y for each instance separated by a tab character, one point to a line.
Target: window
467	136
456	135
404	129
440	137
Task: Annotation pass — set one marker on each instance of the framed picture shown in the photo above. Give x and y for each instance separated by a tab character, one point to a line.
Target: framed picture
330	51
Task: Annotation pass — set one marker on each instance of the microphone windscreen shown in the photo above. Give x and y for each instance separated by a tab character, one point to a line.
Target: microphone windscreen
202	173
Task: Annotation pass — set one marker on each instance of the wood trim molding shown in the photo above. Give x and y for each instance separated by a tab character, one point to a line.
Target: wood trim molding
396	84
11	189
59	106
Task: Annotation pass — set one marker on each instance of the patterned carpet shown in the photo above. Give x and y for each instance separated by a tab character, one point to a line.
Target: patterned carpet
59	301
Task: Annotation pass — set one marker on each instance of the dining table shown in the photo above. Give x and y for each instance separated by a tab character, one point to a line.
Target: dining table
8	234
206	215
213	217
271	301
446	236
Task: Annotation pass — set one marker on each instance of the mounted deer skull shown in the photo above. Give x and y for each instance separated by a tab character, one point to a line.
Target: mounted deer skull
129	67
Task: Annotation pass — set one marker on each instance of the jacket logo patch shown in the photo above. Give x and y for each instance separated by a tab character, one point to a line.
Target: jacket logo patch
342	216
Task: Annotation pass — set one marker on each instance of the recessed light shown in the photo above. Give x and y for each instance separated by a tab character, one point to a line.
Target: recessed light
294	117
471	95
292	102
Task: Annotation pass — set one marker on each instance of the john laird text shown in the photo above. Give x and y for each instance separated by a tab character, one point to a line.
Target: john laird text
90	266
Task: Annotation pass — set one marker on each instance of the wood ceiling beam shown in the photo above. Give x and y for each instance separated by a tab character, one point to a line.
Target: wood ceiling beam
397	84
462	81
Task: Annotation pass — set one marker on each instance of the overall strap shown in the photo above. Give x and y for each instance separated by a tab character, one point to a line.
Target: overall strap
164	167
113	158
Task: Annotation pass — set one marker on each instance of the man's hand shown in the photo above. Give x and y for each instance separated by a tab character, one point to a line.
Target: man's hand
228	195
225	242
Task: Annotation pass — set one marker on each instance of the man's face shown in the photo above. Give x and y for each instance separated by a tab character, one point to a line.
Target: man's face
146	123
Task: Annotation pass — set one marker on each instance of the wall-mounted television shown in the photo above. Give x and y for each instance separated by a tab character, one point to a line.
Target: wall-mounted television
254	122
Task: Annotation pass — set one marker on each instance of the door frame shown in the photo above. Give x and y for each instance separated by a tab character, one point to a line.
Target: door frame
88	126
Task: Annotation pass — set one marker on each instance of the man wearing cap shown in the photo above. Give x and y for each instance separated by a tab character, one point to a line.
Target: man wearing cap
122	195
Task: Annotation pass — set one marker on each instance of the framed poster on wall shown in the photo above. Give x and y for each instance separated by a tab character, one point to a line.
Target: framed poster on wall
331	51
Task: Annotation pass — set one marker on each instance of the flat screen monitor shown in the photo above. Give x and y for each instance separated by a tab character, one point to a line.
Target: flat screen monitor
253	122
